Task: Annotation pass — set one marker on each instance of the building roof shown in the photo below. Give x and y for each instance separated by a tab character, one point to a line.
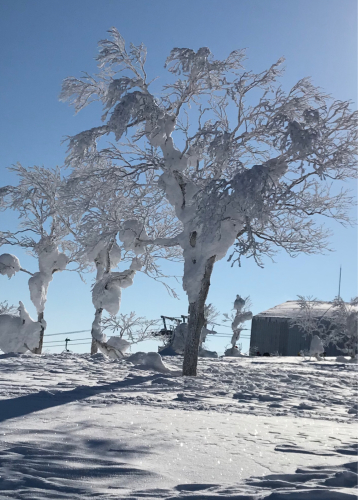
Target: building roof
291	309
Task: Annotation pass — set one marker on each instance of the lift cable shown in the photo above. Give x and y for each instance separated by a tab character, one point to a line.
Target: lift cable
66	333
74	340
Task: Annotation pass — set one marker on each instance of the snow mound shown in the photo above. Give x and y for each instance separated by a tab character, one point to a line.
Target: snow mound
19	333
98	356
9	265
149	360
204	353
118	343
342	359
234	353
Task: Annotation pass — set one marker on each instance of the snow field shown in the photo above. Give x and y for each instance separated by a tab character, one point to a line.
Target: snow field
76	426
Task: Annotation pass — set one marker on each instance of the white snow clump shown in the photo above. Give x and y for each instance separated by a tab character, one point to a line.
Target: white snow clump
148	360
316	347
106	293
132	230
9	265
118	343
50	261
19	333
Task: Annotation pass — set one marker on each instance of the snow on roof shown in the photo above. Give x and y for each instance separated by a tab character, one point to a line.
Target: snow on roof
291	309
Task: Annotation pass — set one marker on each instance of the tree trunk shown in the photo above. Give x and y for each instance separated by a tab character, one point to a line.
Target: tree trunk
96	328
38	350
196	323
94	347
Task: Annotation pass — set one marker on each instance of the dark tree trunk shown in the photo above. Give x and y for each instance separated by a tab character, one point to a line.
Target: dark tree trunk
96	325
196	323
94	347
38	350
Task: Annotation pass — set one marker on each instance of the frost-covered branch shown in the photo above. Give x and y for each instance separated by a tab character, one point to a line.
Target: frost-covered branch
241	315
261	179
338	325
42	231
130	327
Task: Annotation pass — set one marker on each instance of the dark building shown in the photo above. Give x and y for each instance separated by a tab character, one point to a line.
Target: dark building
272	331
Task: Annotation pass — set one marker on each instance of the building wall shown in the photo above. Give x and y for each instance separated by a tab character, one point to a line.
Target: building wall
275	335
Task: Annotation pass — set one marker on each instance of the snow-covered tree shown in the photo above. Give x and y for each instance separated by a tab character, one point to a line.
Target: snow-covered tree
130	327
237	320
105	216
309	320
252	165
338	325
42	232
344	329
6	308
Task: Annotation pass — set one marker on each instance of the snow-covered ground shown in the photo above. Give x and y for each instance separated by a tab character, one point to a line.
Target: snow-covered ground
76	426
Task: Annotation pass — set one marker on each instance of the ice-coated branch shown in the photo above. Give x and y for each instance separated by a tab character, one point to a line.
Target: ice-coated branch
237	319
259	177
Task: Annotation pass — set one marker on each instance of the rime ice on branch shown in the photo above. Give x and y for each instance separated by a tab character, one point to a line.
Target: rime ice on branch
337	325
19	333
99	209
254	178
237	320
42	232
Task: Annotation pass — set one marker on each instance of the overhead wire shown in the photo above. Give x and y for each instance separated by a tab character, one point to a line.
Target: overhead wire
74	340
66	333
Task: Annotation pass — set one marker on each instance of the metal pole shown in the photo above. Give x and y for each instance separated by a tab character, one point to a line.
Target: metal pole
339	285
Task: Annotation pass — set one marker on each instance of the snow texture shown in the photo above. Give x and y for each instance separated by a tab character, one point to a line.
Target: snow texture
149	360
118	343
292	309
110	350
79	426
50	261
19	333
106	293
38	286
9	265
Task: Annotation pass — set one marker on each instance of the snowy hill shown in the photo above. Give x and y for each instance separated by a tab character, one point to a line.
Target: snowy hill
77	427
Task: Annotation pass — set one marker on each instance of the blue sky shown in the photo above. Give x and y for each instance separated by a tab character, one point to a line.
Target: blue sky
42	42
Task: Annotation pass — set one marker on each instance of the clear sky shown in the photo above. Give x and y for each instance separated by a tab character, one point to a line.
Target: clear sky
42	42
